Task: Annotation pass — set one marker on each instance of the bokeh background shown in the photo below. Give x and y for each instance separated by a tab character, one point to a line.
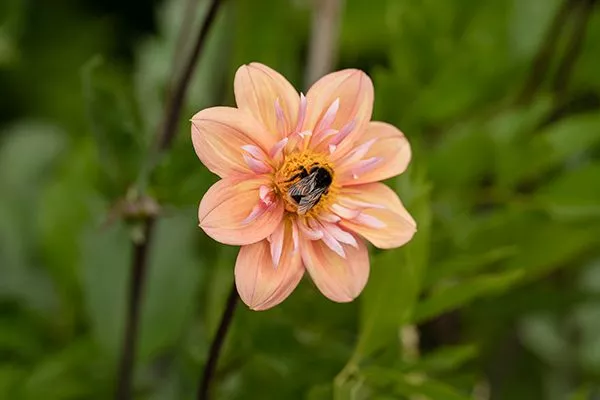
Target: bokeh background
497	296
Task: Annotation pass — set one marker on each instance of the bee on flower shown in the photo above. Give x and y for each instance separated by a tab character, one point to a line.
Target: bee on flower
299	188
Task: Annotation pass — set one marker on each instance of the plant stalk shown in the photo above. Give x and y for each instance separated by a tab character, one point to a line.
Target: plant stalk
164	138
217	345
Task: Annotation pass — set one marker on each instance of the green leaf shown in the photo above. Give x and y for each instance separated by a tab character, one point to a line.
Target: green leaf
347	384
512	131
572	136
22	336
11	381
386	302
106	253
27	157
547	246
566	141
583	393
573	195
463	264
114	123
528	24
411	384
445	359
72	179
454	296
172	283
320	392
468	144
541	334
74	372
540	247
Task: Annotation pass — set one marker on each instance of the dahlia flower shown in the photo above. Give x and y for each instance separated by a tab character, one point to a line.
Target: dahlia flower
299	188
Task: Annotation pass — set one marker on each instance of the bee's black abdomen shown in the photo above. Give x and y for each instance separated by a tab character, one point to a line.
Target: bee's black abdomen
297	198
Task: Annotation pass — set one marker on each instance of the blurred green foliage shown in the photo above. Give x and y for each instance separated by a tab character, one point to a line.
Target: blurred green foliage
497	296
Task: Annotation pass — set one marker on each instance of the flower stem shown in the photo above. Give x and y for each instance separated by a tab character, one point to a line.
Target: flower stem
167	129
136	287
217	345
175	102
164	138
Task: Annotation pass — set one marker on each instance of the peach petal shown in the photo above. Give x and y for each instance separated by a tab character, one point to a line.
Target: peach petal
308	231
387	226
259	284
345	212
340	279
344	132
256	212
280	116
295	235
276	241
354	90
227	205
277	150
333	244
257	166
220	133
265	194
339	234
301	112
268	97
254	152
364	166
353	203
369	221
329	217
390	146
329	116
357	154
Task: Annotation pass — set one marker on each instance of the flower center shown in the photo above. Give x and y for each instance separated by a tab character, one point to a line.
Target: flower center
306	183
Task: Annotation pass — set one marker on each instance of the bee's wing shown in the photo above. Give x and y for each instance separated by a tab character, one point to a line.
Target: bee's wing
308	201
304	186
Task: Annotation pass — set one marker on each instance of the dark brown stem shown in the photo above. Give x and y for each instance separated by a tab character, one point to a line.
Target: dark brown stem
187	24
217	345
136	288
175	102
165	135
574	46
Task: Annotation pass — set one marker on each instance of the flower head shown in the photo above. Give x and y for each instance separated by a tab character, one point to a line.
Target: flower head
299	186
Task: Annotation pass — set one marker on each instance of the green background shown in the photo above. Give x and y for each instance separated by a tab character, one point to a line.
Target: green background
497	296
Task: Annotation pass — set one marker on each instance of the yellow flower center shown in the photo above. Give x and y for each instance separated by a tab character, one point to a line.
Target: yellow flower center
306	183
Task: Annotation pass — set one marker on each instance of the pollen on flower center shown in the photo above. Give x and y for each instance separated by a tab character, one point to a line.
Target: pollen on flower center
306	183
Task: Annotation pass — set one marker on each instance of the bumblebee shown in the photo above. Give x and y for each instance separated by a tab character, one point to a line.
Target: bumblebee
307	191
